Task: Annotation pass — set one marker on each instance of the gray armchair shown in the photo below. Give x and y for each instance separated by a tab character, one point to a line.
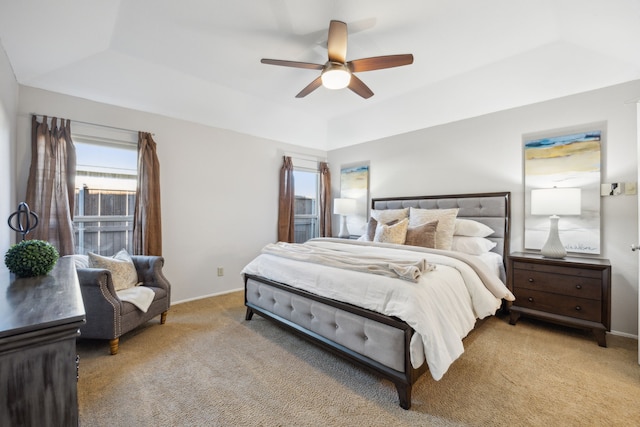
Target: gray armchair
108	317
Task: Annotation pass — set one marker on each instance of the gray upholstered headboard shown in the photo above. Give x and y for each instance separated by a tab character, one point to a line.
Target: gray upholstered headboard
492	209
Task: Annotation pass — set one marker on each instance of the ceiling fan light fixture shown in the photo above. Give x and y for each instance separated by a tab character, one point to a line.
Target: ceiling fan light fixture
335	76
337	72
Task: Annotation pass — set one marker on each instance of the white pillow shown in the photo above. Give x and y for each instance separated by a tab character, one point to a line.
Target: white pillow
396	233
81	261
472	245
387	215
471	228
446	223
123	271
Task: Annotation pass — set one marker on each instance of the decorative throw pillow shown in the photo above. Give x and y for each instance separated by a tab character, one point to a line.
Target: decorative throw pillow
422	235
446	223
372	225
472	245
371	229
471	228
395	233
123	272
385	216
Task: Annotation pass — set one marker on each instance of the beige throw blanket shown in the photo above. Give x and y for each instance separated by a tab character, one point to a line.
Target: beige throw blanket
410	270
140	296
491	281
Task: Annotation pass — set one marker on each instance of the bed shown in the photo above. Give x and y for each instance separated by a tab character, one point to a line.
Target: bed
370	330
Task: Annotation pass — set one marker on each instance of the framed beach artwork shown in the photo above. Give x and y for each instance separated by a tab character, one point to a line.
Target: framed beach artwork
354	184
568	158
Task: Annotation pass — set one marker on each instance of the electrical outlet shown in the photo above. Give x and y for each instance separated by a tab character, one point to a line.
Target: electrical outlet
220	271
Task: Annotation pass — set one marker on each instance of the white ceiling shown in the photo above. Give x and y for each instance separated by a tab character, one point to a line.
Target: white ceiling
199	60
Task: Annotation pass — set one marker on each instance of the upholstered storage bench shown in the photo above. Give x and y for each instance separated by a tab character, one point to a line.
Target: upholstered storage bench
374	341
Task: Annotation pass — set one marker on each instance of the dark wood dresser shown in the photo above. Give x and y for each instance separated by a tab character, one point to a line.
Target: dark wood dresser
40	319
571	291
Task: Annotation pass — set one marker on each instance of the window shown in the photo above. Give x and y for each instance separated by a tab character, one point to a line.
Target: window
306	185
106	177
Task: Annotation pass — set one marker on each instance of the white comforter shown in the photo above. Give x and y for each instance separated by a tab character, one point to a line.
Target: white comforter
442	307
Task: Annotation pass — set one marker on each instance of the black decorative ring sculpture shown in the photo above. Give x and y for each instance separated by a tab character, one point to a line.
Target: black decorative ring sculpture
23	216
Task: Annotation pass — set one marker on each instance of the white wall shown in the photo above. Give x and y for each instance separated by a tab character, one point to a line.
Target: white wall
484	154
219	188
8	110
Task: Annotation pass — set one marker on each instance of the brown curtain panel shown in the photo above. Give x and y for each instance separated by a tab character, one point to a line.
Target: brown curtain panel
325	200
51	183
286	203
147	224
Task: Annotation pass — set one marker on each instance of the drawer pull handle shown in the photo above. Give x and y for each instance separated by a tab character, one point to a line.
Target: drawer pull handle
578	286
530	299
578	308
530	279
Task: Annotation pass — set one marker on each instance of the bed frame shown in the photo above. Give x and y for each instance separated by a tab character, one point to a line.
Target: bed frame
371	340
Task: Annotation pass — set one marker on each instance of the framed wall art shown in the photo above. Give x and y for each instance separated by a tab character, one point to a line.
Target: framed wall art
354	184
569	158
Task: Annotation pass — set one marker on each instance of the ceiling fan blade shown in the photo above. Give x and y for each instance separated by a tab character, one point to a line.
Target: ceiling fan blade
359	87
379	62
294	64
310	87
337	42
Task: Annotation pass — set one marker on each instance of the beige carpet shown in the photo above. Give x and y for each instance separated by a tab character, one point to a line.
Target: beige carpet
207	366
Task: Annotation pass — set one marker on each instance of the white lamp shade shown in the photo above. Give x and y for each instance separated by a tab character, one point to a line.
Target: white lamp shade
556	201
344	206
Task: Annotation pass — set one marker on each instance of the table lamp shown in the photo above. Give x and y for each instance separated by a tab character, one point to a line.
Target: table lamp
344	207
554	202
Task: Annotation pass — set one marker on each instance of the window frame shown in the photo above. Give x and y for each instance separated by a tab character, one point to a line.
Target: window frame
315	217
106	138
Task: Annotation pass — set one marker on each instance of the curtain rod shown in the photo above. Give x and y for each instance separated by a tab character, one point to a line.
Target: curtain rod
302	156
92	124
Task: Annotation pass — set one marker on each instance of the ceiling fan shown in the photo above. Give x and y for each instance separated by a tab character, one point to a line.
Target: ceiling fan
337	73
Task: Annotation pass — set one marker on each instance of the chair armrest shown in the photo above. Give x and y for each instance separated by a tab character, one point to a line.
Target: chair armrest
150	273
98	278
100	302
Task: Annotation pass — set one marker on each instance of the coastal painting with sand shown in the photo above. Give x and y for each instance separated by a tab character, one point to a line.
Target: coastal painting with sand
354	184
571	160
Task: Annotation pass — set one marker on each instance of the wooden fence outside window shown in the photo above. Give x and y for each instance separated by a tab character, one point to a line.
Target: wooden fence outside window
103	220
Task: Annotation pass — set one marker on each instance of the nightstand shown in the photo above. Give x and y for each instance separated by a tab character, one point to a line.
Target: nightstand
571	291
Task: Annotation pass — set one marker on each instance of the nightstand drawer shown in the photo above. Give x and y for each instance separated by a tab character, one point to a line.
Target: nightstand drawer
575	286
579	308
558	269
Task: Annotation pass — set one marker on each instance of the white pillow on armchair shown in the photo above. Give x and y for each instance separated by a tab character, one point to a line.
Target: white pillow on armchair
123	273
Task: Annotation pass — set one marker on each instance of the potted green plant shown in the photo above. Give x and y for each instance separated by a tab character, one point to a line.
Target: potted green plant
31	258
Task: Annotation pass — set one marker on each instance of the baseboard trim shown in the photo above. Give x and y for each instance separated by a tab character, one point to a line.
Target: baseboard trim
206	296
624	334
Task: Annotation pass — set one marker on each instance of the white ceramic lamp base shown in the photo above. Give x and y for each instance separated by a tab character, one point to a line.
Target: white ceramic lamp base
344	231
553	248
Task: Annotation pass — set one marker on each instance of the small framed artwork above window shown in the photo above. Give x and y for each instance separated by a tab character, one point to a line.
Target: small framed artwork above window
566	159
